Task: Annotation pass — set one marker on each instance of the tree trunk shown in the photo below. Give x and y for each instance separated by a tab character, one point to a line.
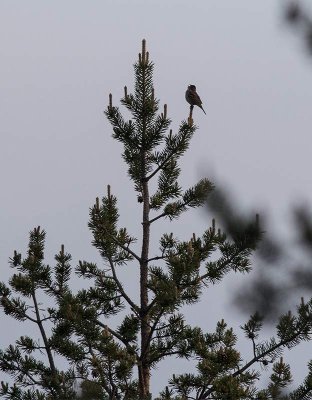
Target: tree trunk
144	368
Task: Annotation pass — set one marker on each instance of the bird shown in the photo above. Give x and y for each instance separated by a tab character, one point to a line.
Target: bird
192	97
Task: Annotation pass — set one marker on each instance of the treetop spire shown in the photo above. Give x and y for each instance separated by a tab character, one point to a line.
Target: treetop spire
143	51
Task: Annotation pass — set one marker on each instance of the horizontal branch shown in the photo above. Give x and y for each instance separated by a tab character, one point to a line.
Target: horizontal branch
7	301
157	258
19	369
166	354
254	360
163	257
158	217
223	265
164	214
265	353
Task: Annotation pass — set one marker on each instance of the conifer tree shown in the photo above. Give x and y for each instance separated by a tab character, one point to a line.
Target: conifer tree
78	343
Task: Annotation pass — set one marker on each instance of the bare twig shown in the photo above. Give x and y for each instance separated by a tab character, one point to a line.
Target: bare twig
120	287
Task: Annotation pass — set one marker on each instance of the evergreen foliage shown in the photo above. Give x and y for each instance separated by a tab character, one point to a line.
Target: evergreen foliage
116	363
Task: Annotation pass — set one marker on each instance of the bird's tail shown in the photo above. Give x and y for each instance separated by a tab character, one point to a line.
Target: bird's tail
203	109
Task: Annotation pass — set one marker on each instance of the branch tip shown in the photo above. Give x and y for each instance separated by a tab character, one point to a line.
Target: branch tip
143	50
108	192
165	111
110	101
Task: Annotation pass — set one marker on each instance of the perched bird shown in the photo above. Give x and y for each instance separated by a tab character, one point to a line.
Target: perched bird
192	97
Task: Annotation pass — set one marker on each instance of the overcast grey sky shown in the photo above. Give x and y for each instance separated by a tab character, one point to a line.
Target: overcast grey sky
59	61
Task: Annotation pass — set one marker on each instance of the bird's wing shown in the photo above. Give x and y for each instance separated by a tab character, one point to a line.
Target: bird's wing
197	99
193	98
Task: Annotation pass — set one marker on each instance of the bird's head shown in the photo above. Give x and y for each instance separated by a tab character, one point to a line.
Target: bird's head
192	87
